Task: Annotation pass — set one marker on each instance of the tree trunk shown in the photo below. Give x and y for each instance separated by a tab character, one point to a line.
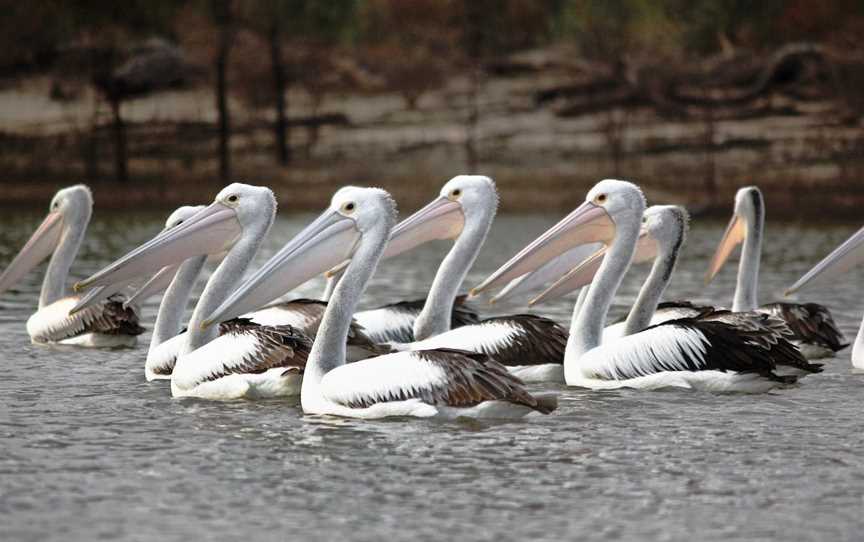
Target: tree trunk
222	9
474	43
471	121
281	134
121	172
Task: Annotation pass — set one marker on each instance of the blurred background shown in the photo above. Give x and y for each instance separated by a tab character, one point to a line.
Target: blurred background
157	102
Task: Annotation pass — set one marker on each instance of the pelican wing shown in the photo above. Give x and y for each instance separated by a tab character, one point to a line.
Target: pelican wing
244	347
305	315
160	360
672	310
809	322
721	341
518	340
395	322
442	377
54	323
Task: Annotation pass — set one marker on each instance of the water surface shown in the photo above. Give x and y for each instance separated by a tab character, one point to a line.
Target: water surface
89	450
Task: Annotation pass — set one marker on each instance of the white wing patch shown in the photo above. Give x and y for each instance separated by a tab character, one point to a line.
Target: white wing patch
659	349
161	360
53	323
381	379
214	358
279	316
381	325
487	337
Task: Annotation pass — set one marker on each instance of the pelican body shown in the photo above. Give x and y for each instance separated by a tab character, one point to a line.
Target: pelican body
106	323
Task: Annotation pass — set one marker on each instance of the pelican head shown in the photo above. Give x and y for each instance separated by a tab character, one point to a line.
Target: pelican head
747	219
68	216
237	210
609	205
354	213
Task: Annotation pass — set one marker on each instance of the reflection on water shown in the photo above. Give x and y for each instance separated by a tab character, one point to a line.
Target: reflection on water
89	450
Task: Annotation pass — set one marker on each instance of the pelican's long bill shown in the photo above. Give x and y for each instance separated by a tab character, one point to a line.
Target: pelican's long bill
96	295
440	219
208	231
551	271
840	261
157	284
326	242
40	245
646	250
734	235
588	223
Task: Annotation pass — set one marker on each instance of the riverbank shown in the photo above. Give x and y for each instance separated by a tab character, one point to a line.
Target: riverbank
808	159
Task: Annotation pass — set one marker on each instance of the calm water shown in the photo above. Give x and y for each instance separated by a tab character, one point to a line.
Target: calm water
89	450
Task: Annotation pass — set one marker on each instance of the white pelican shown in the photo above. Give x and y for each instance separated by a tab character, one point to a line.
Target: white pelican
441	382
104	324
814	329
664	229
848	255
169	318
663	234
180	278
709	353
530	346
247	360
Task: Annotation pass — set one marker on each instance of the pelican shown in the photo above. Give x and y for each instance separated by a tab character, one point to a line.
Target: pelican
160	360
813	327
442	382
179	279
103	325
848	255
664	230
530	346
663	233
247	359
710	353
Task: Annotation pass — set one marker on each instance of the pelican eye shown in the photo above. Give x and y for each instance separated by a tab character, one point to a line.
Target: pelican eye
456	192
601	198
348	207
233	198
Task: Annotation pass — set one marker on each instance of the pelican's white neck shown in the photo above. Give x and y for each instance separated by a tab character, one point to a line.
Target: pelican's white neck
170	315
328	350
224	280
435	317
586	329
652	290
57	273
746	290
